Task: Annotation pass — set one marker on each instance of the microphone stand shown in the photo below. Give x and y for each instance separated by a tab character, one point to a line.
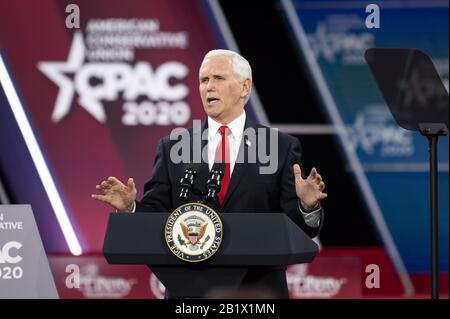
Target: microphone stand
213	184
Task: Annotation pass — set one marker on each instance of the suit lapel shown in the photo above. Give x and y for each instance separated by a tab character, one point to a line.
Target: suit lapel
240	169
203	168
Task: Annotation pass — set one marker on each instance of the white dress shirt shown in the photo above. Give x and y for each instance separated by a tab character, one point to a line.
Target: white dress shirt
236	128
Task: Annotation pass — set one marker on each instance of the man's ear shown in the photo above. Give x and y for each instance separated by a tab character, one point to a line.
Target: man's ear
246	86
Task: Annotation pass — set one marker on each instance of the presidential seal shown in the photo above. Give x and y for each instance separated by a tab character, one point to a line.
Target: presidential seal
193	232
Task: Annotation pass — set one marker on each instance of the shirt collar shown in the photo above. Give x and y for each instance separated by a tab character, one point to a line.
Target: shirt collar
236	126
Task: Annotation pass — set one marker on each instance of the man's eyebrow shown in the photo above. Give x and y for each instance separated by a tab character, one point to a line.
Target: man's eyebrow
218	75
213	75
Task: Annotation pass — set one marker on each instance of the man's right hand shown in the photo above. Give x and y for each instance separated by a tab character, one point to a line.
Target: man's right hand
117	194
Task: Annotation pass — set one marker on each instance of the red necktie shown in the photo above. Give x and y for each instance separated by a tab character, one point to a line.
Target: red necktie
223	155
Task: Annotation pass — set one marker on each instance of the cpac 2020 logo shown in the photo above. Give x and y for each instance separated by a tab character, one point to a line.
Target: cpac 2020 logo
9	254
97	82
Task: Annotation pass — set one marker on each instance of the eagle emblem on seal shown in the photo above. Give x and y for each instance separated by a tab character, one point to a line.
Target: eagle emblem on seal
193	229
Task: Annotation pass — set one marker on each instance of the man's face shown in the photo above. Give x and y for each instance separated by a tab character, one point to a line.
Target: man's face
222	94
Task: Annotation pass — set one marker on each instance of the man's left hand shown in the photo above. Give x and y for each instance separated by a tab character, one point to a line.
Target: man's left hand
309	190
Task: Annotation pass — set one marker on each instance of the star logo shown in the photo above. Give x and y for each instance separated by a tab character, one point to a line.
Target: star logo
56	71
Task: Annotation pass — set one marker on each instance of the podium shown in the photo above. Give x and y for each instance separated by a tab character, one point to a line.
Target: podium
249	240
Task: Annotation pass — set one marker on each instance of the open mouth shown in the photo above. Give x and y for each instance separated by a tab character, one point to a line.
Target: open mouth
212	100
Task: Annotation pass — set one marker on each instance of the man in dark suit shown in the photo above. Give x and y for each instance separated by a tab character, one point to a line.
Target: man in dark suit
263	184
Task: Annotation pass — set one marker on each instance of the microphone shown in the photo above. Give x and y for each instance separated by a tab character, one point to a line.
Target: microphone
187	182
213	184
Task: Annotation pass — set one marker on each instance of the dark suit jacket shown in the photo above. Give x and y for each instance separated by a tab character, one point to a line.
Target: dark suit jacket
249	191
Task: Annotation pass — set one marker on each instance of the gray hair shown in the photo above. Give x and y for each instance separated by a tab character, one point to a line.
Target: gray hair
241	67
